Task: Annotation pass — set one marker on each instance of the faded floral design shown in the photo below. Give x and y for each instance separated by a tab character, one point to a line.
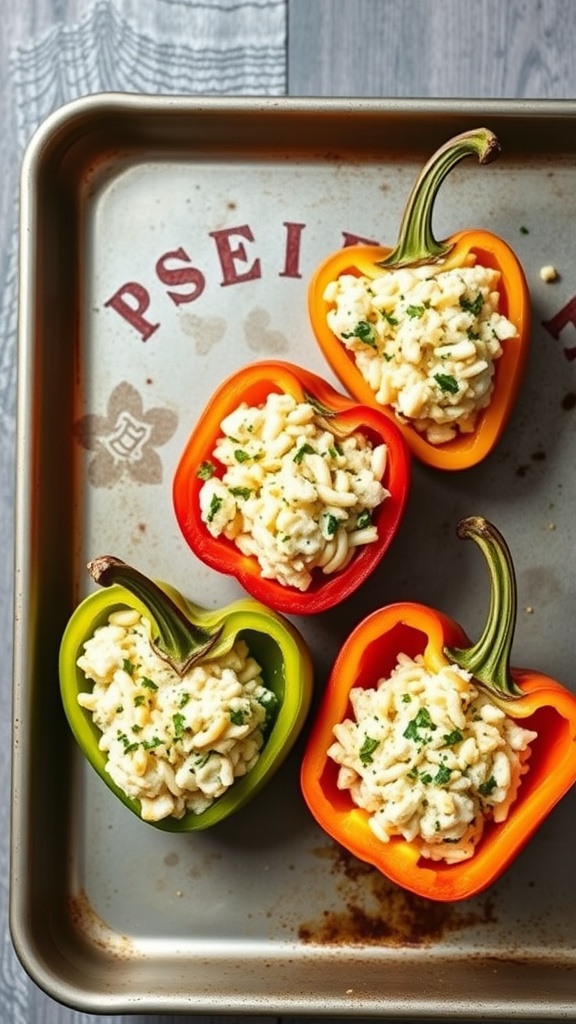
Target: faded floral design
125	440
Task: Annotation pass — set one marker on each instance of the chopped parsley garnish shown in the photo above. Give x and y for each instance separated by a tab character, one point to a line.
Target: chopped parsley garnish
447	382
452	738
148	683
442	775
139	700
238	716
215	506
364	519
390	319
202	759
331	525
304	449
485	788
178	722
151	744
205	470
421	721
364	331
367	749
415	312
473	306
240	492
128	666
241	456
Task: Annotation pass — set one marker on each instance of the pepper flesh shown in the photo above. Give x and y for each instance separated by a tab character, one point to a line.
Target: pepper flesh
186	633
251	385
417	246
541	703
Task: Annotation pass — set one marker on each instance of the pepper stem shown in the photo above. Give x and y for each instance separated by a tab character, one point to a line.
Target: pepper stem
416	243
180	641
489	658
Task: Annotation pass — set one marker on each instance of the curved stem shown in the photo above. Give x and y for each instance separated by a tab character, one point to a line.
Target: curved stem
416	243
489	658
180	642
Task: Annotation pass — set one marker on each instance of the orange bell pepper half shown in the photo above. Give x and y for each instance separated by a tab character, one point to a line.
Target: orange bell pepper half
417	246
536	701
343	415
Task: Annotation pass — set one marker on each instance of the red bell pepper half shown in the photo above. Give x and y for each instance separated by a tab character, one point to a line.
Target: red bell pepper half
342	415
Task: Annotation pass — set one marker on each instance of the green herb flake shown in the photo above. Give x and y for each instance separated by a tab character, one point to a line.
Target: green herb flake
364	519
442	775
447	383
148	683
367	749
390	319
238	716
241	455
304	449
240	492
128	666
415	312
215	506
486	788
331	525
450	739
421	721
365	332
473	306
205	470
178	722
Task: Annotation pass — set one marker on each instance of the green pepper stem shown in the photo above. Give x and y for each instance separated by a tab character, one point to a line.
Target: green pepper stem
489	658
416	243
180	641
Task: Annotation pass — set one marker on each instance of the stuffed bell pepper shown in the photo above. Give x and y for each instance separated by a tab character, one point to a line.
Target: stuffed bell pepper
291	487
435	333
184	713
430	758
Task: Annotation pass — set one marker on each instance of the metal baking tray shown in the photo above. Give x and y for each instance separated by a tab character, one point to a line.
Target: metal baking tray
166	242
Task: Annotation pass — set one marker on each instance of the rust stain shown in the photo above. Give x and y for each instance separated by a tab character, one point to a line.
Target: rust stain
394	917
85	920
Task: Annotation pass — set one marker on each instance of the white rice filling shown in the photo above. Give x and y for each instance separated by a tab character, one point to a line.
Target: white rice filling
431	758
425	340
175	743
293	494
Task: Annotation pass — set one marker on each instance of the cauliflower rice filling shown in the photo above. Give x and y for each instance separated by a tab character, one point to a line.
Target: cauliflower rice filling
174	743
430	758
293	494
425	341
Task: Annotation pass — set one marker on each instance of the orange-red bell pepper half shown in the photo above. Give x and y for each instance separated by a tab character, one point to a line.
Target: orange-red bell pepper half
416	246
250	386
537	701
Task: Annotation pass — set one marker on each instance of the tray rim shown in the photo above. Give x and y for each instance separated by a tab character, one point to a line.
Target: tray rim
55	131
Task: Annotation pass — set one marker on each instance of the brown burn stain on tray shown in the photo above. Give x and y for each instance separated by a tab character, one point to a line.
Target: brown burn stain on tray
396	918
88	923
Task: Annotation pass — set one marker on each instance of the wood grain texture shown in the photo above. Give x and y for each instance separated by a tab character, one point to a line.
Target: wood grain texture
438	48
395	48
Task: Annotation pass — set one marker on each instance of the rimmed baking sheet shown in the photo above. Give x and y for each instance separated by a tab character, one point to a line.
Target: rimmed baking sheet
166	242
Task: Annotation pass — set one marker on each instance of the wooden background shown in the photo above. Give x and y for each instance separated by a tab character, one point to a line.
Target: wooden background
394	48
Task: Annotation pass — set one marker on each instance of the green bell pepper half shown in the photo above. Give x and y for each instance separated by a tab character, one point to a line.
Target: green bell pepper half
274	642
